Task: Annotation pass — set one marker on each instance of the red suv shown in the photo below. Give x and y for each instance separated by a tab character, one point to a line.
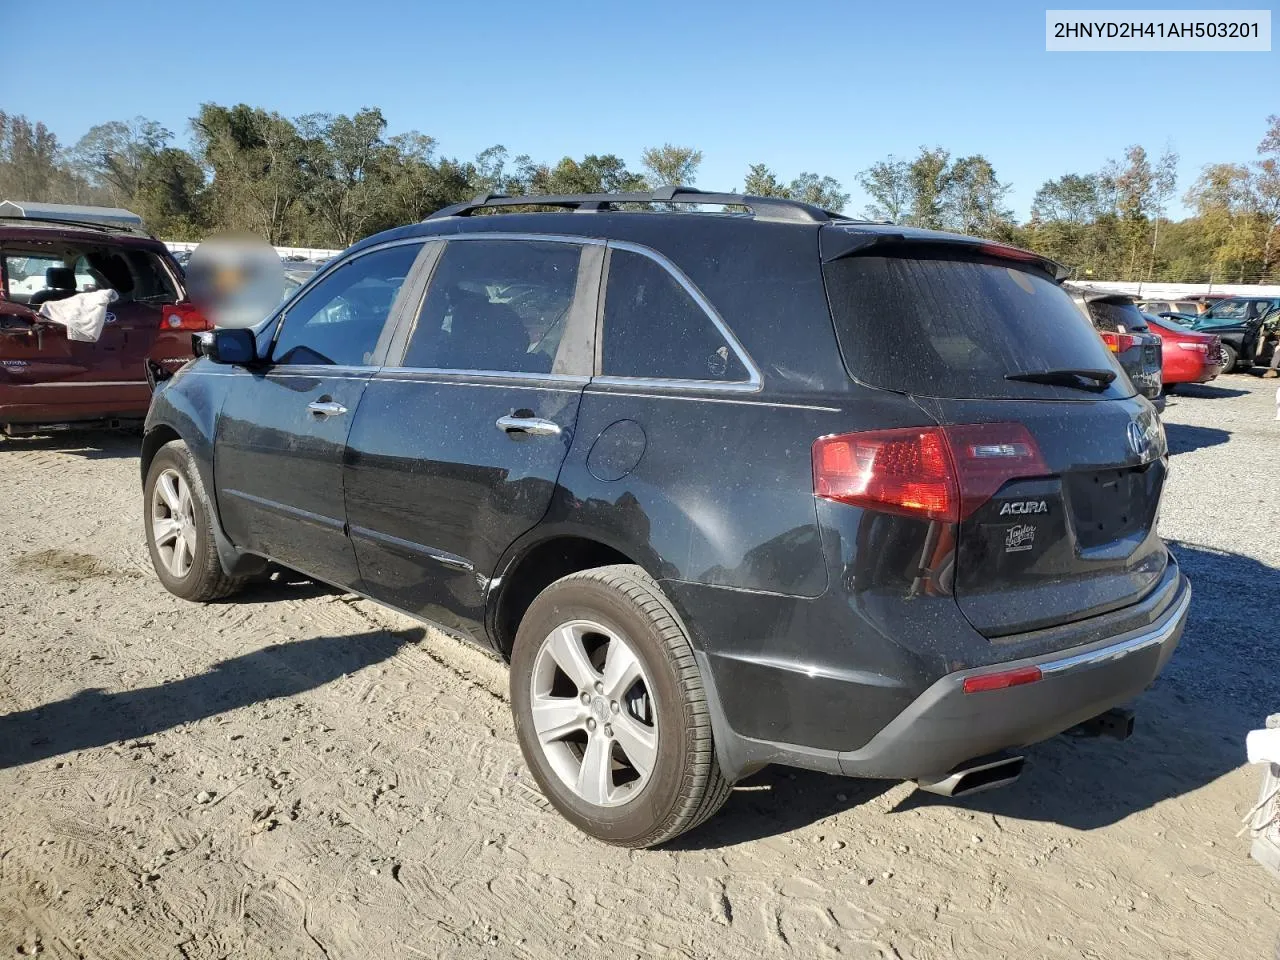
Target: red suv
51	252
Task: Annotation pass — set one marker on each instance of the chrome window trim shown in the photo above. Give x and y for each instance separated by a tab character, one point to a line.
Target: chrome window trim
322	370
698	397
452	373
754	382
658	383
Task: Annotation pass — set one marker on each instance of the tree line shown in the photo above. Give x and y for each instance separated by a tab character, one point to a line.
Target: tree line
327	180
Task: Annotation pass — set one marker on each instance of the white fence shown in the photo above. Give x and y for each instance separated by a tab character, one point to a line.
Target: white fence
1175	291
311	253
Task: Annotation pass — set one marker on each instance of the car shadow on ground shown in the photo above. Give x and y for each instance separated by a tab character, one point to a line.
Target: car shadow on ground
1207	391
1190	729
90	444
92	718
1184	438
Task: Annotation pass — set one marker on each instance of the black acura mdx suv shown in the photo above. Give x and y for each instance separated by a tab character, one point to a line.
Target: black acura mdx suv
758	485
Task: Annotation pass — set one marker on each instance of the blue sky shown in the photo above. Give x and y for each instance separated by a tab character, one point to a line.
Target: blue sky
823	86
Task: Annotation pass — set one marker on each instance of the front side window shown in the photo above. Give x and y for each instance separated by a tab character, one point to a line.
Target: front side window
499	305
1229	310
339	320
655	329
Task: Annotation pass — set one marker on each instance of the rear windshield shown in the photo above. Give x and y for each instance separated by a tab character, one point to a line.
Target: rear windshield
1117	316
941	327
54	270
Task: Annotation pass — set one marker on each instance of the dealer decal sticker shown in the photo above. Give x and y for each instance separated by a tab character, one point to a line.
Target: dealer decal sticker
1019	538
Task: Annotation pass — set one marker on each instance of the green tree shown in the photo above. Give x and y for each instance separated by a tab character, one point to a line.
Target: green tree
114	155
888	183
1072	198
171	196
1164	183
670	165
927	178
824	192
762	182
1266	179
258	161
416	184
1227	208
973	199
344	187
30	167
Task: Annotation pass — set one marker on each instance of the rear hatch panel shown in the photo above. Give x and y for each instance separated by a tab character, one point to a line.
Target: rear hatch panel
1076	544
948	327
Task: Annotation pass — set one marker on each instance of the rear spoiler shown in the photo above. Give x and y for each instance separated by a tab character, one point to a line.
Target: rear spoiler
839	243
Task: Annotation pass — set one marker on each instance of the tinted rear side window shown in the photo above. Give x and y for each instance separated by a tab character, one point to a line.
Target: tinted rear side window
499	305
1117	316
654	328
956	328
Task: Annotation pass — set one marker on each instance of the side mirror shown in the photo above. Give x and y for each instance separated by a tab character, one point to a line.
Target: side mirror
235	345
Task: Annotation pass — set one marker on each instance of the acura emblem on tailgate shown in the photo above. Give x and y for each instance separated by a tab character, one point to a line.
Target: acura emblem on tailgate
1137	438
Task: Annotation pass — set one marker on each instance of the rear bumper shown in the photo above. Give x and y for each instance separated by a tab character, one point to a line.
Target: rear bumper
1087	668
944	726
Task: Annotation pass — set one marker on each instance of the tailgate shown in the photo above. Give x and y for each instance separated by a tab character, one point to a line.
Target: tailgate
1078	541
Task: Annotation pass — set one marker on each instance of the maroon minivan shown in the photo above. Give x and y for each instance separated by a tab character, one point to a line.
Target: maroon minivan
48	381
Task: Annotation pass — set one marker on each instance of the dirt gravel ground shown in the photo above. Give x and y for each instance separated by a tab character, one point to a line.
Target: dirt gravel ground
305	774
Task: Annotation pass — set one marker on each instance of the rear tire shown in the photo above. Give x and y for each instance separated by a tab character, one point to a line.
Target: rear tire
179	528
1229	358
605	659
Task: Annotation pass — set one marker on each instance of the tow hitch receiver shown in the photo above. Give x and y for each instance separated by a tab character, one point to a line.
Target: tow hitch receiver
1116	723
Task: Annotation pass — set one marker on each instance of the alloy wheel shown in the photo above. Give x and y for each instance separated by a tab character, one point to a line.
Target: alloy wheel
593	712
173	523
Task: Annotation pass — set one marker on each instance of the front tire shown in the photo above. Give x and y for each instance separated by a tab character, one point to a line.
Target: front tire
1229	358
179	528
610	709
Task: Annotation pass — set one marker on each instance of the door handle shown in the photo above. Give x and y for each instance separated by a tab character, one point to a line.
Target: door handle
532	426
326	408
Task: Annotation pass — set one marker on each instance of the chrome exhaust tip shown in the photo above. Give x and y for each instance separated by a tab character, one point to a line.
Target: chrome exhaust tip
975	776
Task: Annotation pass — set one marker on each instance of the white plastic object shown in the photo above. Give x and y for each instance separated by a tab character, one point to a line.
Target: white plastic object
1263	746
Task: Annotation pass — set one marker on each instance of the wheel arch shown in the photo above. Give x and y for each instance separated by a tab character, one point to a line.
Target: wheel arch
530	566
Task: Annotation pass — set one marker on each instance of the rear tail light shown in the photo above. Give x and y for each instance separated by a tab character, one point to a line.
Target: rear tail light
940	473
183	316
1119	342
1201	347
999	681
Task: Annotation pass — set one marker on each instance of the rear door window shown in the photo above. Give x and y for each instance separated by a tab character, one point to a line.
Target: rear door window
655	329
496	306
956	328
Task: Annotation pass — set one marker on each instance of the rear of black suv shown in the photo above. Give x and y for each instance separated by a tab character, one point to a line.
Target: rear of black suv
988	515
